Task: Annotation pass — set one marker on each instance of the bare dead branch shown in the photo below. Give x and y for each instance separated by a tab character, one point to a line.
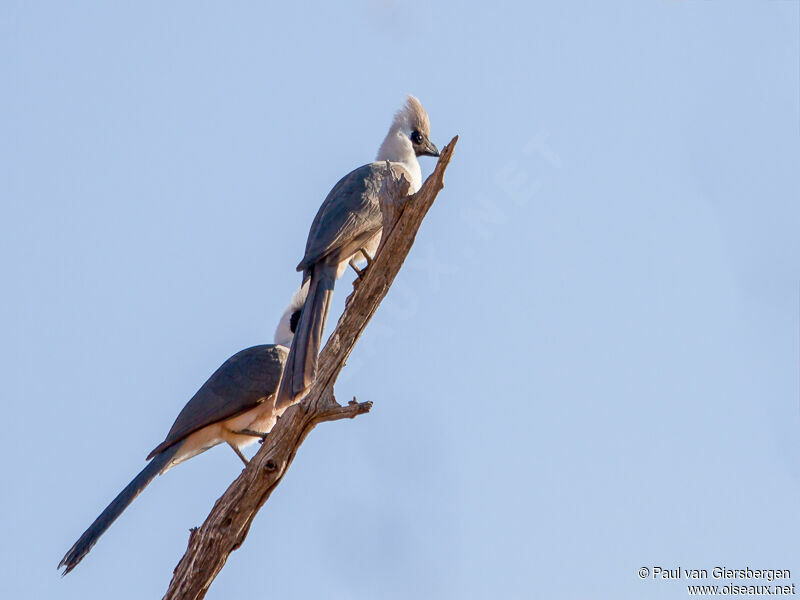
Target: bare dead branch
226	527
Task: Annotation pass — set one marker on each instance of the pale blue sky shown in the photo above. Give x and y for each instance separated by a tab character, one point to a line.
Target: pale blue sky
588	364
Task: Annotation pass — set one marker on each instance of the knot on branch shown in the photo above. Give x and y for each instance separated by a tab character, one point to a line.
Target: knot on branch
271	466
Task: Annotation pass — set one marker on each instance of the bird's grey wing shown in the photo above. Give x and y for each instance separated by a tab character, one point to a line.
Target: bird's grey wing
349	216
242	382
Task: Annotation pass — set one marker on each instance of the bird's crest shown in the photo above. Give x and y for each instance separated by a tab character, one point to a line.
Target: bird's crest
413	117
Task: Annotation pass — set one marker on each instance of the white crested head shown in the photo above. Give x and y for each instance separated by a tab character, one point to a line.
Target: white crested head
408	138
284	333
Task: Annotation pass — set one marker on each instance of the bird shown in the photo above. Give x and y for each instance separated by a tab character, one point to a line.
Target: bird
233	406
346	230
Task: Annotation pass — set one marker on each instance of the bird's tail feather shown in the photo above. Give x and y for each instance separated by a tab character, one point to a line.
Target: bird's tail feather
301	364
114	510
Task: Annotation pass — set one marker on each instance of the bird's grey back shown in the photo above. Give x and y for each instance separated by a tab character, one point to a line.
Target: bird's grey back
350	214
239	384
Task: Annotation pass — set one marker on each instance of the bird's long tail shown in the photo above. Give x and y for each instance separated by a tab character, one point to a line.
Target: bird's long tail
301	364
114	510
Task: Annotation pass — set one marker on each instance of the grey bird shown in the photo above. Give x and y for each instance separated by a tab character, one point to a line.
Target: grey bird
234	406
347	228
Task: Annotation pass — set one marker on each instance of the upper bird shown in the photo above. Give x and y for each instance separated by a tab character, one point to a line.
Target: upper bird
234	406
348	224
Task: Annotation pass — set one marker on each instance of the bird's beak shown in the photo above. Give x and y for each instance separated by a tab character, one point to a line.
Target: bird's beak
430	149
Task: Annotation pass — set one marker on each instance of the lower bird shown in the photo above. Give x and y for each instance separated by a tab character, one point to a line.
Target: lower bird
234	406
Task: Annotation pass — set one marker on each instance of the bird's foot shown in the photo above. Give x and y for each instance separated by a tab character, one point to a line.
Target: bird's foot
361	272
250	432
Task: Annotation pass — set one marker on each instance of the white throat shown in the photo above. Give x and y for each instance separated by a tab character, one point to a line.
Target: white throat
396	147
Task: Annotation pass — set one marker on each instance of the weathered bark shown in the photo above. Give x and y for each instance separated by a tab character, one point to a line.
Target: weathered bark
226	527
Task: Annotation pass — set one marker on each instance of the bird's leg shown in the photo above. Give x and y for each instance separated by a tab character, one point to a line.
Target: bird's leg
367	257
250	432
359	272
239	454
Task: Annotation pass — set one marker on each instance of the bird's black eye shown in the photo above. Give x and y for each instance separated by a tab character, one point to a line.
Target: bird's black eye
416	137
